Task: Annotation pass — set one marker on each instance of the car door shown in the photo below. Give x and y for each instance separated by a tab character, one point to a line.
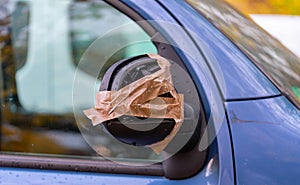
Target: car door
52	55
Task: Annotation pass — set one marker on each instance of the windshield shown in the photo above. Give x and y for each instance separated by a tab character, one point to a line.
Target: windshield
276	61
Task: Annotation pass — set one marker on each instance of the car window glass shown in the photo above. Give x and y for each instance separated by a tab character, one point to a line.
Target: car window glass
41	45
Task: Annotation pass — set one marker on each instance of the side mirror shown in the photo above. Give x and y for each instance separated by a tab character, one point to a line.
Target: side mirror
139	131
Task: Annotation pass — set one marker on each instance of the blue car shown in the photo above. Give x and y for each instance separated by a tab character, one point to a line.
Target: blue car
228	101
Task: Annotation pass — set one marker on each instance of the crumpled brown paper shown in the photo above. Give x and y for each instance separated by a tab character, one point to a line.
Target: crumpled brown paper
139	99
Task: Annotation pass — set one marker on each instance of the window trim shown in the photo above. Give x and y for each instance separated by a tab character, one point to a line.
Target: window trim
80	165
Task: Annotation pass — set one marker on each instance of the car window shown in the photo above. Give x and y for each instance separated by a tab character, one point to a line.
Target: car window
277	62
41	46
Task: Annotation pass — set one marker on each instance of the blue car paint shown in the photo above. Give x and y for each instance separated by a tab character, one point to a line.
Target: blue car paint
209	175
240	77
266	141
259	144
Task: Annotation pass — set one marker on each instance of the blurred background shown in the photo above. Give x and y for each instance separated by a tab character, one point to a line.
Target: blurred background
281	18
283	7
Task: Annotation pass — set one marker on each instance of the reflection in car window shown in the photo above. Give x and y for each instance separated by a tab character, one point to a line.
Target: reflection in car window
83	33
41	44
281	65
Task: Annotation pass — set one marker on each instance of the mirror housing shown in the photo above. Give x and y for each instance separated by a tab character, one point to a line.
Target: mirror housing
152	130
